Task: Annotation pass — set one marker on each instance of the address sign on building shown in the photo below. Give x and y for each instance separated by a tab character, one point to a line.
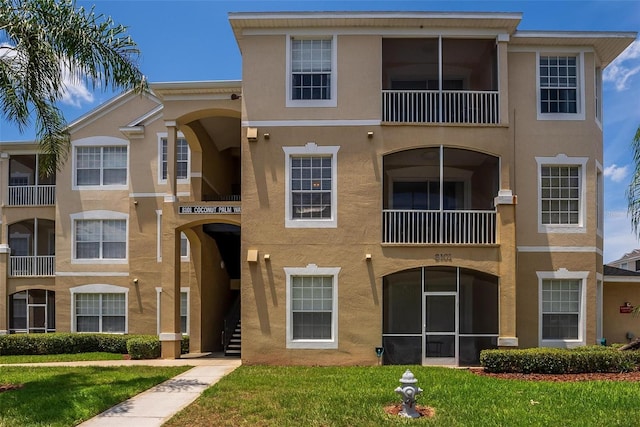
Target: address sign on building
209	210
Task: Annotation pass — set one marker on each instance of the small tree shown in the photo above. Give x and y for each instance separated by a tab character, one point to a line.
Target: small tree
633	191
42	39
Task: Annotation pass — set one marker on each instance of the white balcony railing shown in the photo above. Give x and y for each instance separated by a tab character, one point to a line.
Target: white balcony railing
25	266
32	195
429	106
439	227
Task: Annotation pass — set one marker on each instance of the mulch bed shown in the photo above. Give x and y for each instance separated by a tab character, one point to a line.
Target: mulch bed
9	387
594	376
424	411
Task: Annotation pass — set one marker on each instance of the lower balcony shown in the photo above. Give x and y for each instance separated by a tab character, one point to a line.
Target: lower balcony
30	266
426	227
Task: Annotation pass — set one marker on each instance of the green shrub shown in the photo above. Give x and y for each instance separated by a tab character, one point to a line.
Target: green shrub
64	343
560	361
184	345
144	347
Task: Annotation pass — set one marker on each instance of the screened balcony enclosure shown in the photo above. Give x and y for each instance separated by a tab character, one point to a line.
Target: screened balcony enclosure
439	195
26	186
32	244
440	80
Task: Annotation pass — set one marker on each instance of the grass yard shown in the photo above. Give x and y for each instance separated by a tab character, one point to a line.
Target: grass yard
43	358
66	396
356	396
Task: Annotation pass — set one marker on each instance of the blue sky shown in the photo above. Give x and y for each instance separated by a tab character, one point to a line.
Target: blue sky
192	40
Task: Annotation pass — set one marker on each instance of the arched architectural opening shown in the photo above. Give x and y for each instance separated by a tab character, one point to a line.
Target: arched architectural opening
440	195
32	311
439	315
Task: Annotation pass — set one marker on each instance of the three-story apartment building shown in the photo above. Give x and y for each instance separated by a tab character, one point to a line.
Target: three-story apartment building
411	186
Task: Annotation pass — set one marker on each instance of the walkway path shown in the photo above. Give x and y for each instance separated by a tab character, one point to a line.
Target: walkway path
155	406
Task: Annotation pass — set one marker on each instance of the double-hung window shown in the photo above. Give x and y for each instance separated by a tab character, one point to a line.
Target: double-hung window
99	239
310	181
182	159
99	308
561	308
561	194
101	166
311	72
312	307
560	94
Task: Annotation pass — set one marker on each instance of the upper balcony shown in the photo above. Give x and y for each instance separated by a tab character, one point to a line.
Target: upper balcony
440	196
32	244
26	186
444	80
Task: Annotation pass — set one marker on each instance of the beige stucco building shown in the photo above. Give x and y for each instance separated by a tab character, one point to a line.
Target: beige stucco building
415	186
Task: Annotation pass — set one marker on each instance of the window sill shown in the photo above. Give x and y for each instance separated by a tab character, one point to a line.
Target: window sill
311	103
313	345
568	229
310	223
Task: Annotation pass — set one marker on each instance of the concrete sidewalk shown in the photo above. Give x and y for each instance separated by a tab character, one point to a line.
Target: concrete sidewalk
156	405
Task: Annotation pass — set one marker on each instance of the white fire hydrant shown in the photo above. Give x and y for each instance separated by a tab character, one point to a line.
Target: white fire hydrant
408	390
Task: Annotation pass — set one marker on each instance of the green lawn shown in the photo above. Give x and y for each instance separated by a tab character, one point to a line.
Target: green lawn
356	396
66	396
43	358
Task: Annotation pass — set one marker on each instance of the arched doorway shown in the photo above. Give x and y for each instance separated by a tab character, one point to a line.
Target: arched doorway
439	315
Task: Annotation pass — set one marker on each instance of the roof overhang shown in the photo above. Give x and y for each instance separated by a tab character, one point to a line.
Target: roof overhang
606	44
178	91
499	21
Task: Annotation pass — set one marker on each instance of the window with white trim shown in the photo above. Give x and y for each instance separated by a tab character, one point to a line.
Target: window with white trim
100	312
184	247
182	158
562	302
560	91
312	304
184	309
560	309
561	194
100	166
310	186
100	239
598	94
560	201
599	200
311	65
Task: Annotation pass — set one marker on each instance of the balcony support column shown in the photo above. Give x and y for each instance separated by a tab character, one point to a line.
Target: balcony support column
506	219
4	297
503	78
170	334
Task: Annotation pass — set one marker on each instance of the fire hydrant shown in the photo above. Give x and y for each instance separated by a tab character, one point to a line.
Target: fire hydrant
408	390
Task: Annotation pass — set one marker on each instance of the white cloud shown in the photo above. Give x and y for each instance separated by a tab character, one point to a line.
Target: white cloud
618	235
624	67
615	173
73	92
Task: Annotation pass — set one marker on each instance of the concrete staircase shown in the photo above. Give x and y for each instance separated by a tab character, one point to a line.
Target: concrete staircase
235	343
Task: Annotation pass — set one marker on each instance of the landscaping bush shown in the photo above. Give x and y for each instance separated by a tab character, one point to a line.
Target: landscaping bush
144	347
63	343
560	361
184	345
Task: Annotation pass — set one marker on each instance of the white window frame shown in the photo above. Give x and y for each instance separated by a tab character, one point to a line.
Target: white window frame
333	101
159	235
311	149
597	90
165	135
312	270
99	215
183	290
99	289
599	199
564	160
561	274
102	142
184	245
580	100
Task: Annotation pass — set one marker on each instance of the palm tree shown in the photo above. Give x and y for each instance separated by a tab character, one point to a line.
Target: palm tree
633	191
42	39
